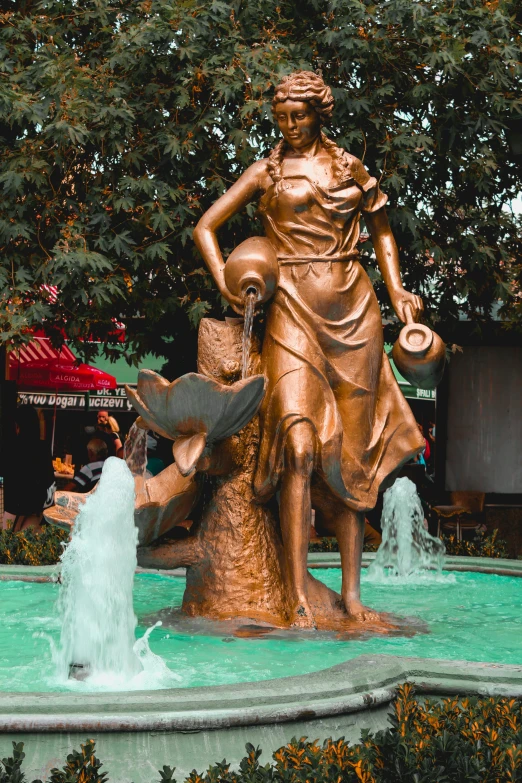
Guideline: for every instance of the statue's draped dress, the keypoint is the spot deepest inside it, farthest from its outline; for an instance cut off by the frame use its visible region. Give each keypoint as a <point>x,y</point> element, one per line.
<point>323,352</point>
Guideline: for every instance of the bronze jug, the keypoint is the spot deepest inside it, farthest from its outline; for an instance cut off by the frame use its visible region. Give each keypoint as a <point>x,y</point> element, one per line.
<point>252,265</point>
<point>419,354</point>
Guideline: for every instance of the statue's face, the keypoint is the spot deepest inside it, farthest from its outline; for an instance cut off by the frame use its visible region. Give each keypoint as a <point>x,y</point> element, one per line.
<point>298,122</point>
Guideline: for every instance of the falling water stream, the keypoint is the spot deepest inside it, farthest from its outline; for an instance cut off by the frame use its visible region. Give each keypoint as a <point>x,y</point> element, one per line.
<point>135,450</point>
<point>135,455</point>
<point>250,306</point>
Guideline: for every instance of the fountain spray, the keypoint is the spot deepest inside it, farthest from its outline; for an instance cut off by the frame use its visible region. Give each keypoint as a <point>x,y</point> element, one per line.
<point>407,548</point>
<point>97,574</point>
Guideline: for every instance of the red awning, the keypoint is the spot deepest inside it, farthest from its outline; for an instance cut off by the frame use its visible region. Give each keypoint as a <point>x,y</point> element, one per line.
<point>38,349</point>
<point>39,365</point>
<point>64,376</point>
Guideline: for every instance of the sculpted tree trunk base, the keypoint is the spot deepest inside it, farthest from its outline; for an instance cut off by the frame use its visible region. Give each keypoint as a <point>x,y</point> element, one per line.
<point>234,556</point>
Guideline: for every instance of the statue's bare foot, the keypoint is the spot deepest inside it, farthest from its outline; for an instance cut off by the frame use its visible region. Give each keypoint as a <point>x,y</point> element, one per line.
<point>359,611</point>
<point>302,616</point>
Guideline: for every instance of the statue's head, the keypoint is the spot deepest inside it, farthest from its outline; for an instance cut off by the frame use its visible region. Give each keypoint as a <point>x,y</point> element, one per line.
<point>302,103</point>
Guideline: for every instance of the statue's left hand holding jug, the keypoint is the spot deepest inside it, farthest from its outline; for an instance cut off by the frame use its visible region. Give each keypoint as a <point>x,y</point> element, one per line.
<point>419,354</point>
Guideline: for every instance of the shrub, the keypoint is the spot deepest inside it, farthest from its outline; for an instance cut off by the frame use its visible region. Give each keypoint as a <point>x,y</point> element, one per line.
<point>449,741</point>
<point>10,772</point>
<point>453,740</point>
<point>326,544</point>
<point>82,767</point>
<point>28,547</point>
<point>480,546</point>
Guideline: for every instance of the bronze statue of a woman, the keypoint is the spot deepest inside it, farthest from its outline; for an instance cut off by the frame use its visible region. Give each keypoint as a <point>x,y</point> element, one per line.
<point>335,428</point>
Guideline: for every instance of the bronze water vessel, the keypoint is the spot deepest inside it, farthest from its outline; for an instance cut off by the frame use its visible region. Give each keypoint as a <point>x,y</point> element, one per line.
<point>419,354</point>
<point>252,265</point>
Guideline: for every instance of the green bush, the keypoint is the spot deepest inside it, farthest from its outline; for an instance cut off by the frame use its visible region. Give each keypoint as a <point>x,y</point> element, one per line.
<point>28,547</point>
<point>450,741</point>
<point>326,544</point>
<point>81,767</point>
<point>480,546</point>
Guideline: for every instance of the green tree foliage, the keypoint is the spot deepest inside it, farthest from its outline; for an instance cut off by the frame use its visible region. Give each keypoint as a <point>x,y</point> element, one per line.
<point>121,120</point>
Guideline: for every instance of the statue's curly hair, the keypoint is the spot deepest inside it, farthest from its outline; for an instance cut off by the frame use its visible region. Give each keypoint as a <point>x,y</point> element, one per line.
<point>308,87</point>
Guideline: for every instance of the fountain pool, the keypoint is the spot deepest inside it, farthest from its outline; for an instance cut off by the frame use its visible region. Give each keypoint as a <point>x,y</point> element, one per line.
<point>340,686</point>
<point>470,616</point>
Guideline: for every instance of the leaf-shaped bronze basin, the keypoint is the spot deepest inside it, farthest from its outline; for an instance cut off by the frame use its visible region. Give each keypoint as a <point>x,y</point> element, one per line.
<point>195,411</point>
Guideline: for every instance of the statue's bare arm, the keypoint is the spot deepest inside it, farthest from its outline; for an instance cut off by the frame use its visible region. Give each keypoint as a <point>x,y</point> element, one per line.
<point>387,256</point>
<point>249,185</point>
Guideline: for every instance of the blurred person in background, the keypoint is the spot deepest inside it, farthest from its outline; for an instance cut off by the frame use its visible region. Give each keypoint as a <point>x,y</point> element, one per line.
<point>115,429</point>
<point>105,432</point>
<point>87,477</point>
<point>424,456</point>
<point>28,474</point>
<point>154,463</point>
<point>431,441</point>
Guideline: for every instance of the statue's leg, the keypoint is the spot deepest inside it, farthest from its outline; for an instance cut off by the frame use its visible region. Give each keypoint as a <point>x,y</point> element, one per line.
<point>295,511</point>
<point>348,527</point>
<point>349,530</point>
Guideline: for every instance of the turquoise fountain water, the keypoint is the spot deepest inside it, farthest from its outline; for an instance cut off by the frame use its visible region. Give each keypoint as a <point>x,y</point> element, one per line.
<point>457,612</point>
<point>129,633</point>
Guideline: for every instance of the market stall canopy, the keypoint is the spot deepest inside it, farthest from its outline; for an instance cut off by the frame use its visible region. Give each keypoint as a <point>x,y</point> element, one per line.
<point>64,376</point>
<point>39,348</point>
<point>39,365</point>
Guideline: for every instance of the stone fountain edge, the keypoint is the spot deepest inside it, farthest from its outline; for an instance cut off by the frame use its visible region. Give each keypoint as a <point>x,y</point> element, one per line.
<point>487,565</point>
<point>484,565</point>
<point>357,685</point>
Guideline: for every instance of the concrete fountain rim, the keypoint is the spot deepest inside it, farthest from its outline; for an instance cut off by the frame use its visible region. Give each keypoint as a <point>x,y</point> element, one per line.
<point>483,565</point>
<point>360,684</point>
<point>354,686</point>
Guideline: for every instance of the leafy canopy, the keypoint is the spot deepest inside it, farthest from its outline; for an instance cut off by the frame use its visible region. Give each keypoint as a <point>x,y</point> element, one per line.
<point>122,120</point>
